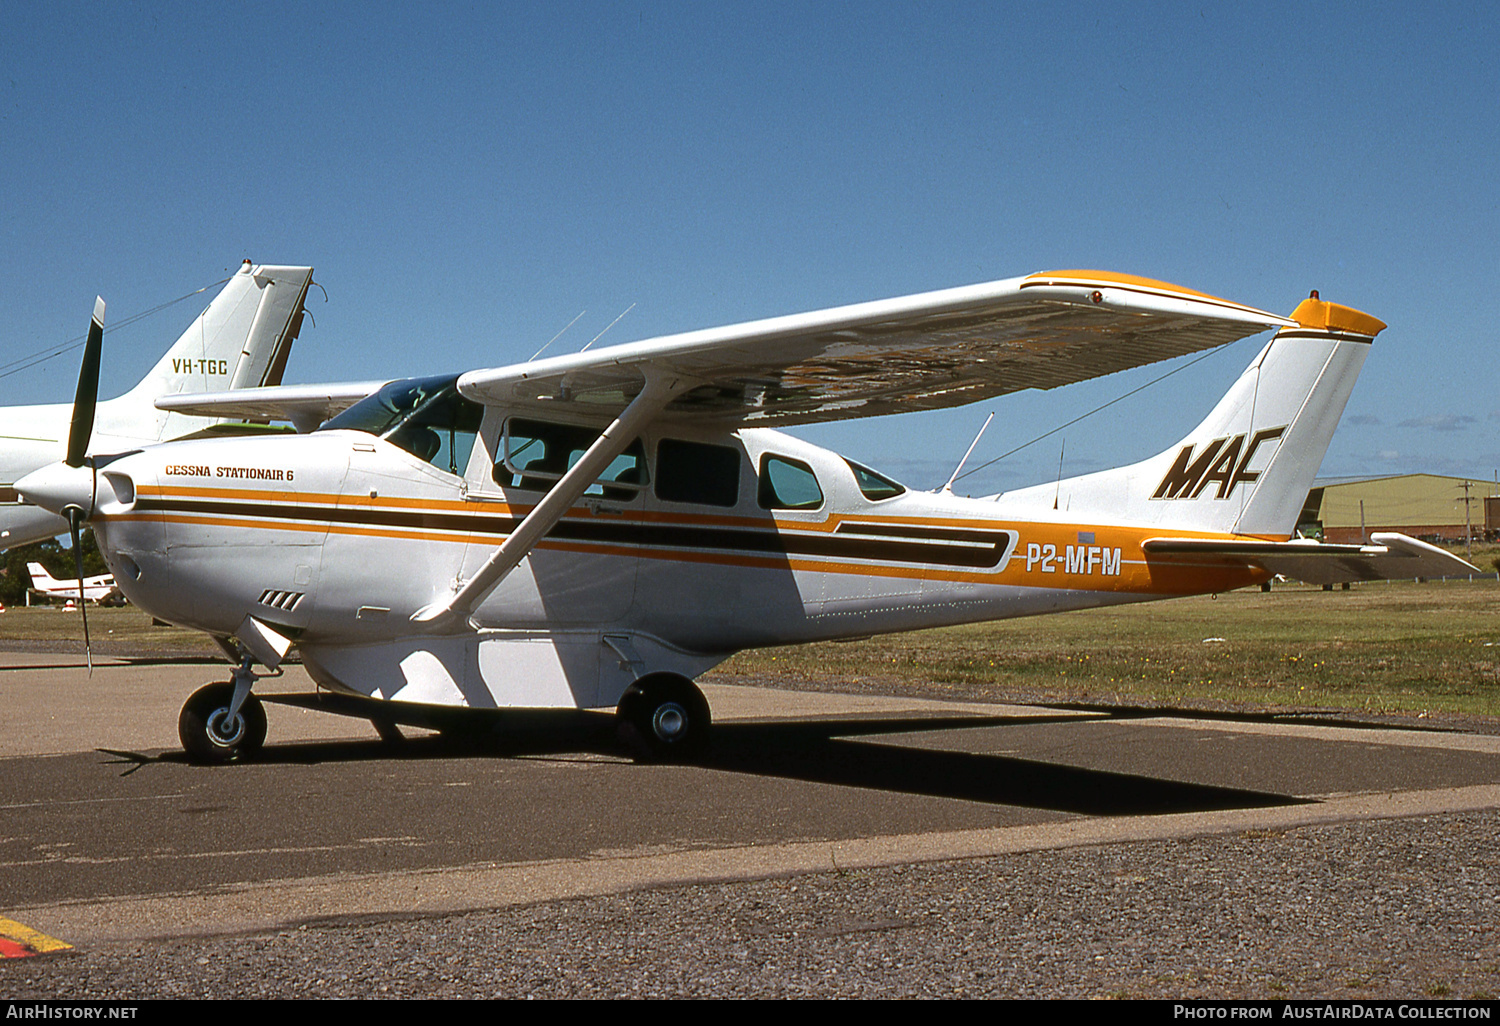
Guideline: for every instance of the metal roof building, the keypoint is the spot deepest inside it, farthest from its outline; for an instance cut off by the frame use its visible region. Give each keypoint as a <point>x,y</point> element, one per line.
<point>1428,506</point>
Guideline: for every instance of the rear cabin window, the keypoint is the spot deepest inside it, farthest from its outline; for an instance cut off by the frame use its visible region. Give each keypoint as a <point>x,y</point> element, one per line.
<point>536,454</point>
<point>873,486</point>
<point>708,475</point>
<point>788,484</point>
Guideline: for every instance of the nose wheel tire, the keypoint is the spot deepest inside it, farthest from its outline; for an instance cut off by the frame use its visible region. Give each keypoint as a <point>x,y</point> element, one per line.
<point>210,736</point>
<point>664,717</point>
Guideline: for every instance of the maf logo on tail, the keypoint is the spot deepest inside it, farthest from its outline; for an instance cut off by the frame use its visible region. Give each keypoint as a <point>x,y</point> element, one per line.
<point>1220,461</point>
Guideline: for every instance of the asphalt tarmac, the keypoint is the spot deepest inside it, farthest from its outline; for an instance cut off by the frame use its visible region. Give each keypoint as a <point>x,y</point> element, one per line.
<point>108,835</point>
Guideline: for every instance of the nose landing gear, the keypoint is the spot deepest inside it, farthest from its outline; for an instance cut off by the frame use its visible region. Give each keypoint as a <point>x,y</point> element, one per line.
<point>223,722</point>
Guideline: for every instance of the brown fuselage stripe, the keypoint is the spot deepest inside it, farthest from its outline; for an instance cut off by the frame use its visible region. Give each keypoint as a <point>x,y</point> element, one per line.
<point>897,544</point>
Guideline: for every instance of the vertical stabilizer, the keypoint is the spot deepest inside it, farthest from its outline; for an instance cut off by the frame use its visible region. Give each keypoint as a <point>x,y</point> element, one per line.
<point>240,341</point>
<point>1247,468</point>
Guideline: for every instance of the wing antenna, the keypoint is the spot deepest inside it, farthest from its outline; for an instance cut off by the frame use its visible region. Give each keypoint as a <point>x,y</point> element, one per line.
<point>611,324</point>
<point>559,335</point>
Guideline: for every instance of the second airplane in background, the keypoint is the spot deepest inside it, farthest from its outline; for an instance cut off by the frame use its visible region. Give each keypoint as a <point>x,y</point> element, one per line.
<point>100,589</point>
<point>240,341</point>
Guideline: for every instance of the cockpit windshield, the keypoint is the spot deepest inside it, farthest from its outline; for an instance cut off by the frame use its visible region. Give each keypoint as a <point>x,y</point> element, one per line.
<point>425,416</point>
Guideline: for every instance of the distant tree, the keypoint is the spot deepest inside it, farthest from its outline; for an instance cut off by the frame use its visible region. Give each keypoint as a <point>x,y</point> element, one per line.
<point>93,559</point>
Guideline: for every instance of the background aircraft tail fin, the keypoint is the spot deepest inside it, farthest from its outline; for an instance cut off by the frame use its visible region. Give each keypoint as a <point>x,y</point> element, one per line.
<point>1247,467</point>
<point>240,341</point>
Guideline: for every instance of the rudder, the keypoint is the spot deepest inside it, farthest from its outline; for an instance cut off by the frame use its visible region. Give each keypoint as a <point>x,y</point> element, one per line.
<point>240,341</point>
<point>1247,467</point>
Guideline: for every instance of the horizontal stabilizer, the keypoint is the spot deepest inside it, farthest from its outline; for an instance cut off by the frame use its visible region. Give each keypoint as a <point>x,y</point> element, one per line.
<point>306,406</point>
<point>1390,557</point>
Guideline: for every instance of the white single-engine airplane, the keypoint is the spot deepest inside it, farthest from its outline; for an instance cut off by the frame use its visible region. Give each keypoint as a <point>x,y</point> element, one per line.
<point>100,588</point>
<point>240,341</point>
<point>596,530</point>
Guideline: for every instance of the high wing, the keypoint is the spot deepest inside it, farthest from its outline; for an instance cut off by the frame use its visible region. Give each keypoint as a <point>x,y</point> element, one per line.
<point>1391,557</point>
<point>921,352</point>
<point>306,406</point>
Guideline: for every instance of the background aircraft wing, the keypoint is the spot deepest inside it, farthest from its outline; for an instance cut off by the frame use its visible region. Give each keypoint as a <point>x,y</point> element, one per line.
<point>927,351</point>
<point>306,406</point>
<point>1390,557</point>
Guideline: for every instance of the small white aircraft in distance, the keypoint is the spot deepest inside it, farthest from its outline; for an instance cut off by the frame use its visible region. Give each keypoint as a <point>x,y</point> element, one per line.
<point>595,530</point>
<point>241,340</point>
<point>100,588</point>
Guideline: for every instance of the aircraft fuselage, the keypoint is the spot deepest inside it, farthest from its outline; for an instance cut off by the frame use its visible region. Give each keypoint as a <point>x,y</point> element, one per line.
<point>687,553</point>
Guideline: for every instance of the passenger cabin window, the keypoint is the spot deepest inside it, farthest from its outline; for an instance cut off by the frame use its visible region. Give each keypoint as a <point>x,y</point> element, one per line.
<point>873,486</point>
<point>788,484</point>
<point>708,475</point>
<point>535,454</point>
<point>425,416</point>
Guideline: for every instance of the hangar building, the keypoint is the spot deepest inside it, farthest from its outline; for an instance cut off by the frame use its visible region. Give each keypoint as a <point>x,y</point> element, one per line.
<point>1429,506</point>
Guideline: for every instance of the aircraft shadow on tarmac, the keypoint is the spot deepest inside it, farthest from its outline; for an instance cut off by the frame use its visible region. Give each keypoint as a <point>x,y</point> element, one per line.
<point>842,752</point>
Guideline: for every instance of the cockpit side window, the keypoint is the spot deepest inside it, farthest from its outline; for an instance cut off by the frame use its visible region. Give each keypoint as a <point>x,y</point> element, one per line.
<point>425,416</point>
<point>788,484</point>
<point>442,431</point>
<point>873,486</point>
<point>535,454</point>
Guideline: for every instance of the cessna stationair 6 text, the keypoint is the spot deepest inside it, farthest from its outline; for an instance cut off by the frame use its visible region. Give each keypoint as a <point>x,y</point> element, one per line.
<point>596,530</point>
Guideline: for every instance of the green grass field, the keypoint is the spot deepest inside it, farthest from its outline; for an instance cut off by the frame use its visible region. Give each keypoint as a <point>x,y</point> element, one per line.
<point>1397,647</point>
<point>1387,647</point>
<point>124,631</point>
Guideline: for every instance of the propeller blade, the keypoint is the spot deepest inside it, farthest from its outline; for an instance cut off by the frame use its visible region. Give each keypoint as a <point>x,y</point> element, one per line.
<point>87,396</point>
<point>75,516</point>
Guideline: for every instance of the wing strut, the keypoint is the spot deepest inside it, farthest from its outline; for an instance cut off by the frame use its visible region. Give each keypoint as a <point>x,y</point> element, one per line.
<point>658,391</point>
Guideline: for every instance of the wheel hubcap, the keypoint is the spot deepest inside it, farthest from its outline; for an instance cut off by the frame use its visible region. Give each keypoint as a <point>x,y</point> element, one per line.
<point>223,731</point>
<point>670,721</point>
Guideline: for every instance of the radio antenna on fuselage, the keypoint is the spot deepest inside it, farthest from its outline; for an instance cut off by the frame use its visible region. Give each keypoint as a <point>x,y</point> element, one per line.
<point>1062,450</point>
<point>947,489</point>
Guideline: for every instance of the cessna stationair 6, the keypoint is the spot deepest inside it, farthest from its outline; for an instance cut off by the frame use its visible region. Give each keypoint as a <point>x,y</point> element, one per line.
<point>595,530</point>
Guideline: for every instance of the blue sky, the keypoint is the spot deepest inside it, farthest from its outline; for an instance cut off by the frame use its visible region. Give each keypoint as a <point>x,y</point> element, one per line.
<point>468,177</point>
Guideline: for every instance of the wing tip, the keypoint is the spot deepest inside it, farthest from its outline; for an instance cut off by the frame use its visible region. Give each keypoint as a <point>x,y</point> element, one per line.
<point>1150,286</point>
<point>1088,277</point>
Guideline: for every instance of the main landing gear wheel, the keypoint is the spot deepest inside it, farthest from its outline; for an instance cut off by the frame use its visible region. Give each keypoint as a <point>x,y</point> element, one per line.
<point>210,736</point>
<point>664,717</point>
